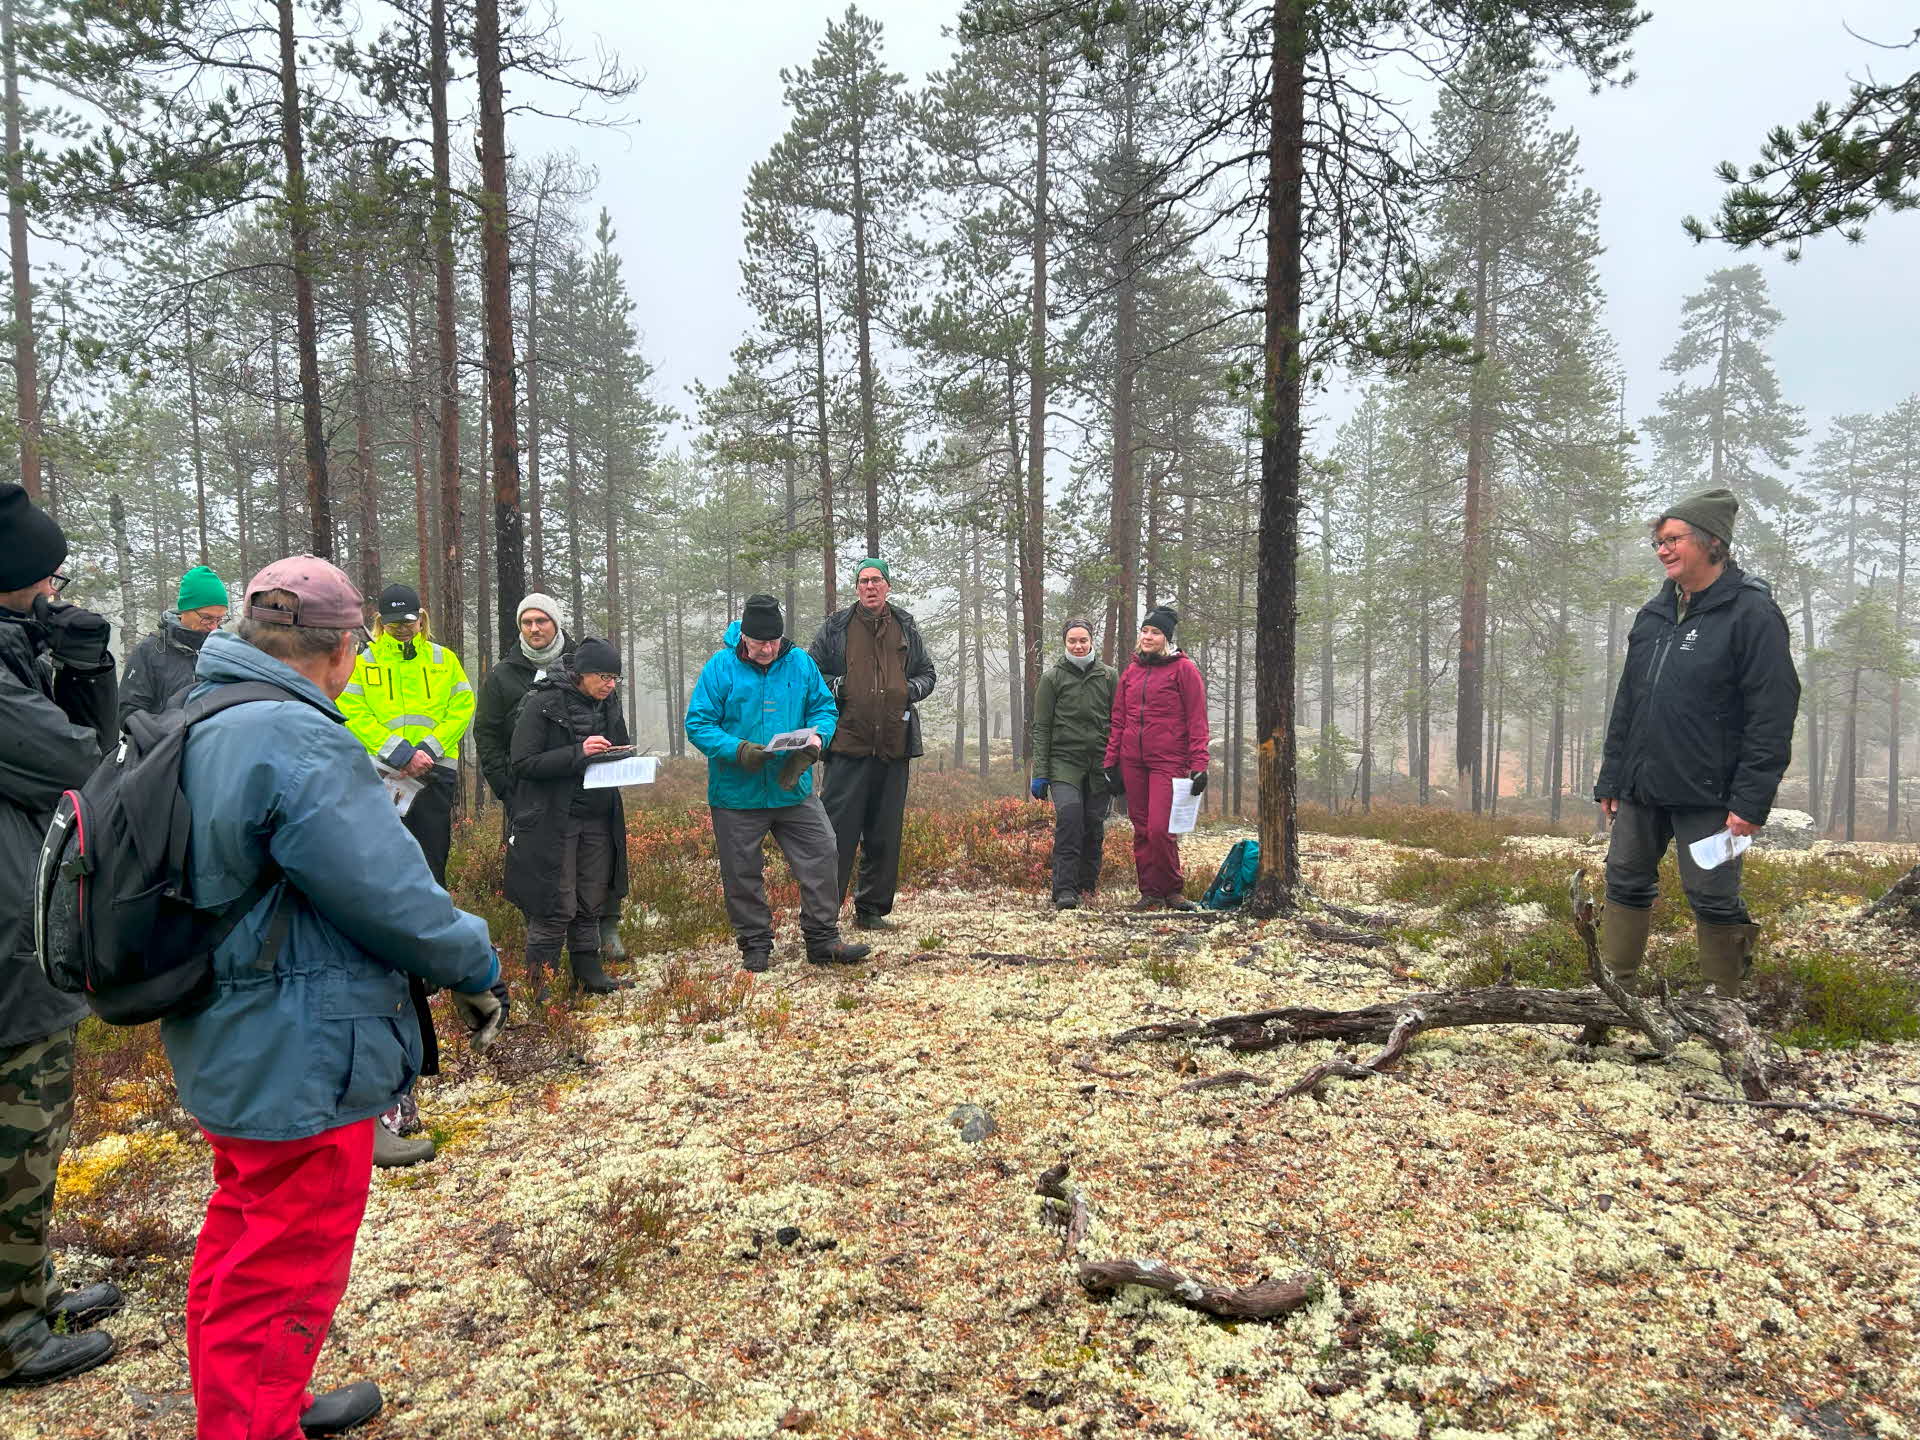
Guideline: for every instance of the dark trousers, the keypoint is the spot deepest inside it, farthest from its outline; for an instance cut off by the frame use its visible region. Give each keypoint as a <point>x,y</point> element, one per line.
<point>805,837</point>
<point>866,799</point>
<point>430,821</point>
<point>36,1115</point>
<point>586,875</point>
<point>1079,836</point>
<point>1641,835</point>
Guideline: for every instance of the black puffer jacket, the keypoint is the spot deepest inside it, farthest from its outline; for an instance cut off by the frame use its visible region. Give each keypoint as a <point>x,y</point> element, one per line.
<point>549,801</point>
<point>160,668</point>
<point>53,725</point>
<point>505,686</point>
<point>1704,714</point>
<point>829,652</point>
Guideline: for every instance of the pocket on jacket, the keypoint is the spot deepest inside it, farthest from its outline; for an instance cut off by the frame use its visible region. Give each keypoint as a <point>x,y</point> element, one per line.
<point>377,1068</point>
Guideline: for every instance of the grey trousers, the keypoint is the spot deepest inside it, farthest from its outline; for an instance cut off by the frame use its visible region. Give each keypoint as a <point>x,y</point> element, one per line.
<point>1079,836</point>
<point>586,874</point>
<point>866,800</point>
<point>806,839</point>
<point>1641,835</point>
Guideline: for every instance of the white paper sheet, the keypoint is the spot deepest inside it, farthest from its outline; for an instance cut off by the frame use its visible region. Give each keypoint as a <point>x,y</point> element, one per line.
<point>611,774</point>
<point>401,789</point>
<point>1717,849</point>
<point>1186,808</point>
<point>794,739</point>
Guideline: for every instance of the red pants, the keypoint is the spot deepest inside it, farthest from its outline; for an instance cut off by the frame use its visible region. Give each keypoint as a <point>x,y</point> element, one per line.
<point>270,1267</point>
<point>1156,854</point>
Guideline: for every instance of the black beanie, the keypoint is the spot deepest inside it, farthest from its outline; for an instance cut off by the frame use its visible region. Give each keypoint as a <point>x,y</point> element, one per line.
<point>761,619</point>
<point>1162,618</point>
<point>32,544</point>
<point>1710,510</point>
<point>595,657</point>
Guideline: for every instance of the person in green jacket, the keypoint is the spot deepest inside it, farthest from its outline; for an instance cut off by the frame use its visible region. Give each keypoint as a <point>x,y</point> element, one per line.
<point>1072,708</point>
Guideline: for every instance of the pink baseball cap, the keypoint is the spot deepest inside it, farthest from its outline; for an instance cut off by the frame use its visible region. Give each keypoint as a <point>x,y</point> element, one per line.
<point>326,598</point>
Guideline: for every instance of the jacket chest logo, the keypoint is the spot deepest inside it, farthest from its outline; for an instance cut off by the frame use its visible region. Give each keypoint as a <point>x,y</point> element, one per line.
<point>1686,641</point>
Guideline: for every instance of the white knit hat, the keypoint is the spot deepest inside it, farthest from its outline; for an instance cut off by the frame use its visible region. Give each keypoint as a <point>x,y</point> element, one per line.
<point>546,605</point>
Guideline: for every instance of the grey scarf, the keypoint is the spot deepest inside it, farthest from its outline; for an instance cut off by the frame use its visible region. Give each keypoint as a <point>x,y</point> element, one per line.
<point>551,653</point>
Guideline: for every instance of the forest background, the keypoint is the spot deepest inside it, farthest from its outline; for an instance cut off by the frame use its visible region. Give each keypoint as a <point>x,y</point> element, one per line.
<point>655,311</point>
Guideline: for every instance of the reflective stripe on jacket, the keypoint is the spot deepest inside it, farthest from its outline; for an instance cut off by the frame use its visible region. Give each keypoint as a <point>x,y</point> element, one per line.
<point>395,705</point>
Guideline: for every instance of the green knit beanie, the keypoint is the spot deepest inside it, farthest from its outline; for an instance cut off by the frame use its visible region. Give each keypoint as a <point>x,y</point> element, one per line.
<point>200,587</point>
<point>1710,510</point>
<point>874,562</point>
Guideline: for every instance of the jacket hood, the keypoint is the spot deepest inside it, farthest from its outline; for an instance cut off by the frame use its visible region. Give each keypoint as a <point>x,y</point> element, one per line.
<point>174,633</point>
<point>226,658</point>
<point>1165,657</point>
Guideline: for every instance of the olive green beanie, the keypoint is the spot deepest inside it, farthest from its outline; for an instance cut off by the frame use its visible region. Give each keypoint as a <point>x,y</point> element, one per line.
<point>1710,510</point>
<point>200,587</point>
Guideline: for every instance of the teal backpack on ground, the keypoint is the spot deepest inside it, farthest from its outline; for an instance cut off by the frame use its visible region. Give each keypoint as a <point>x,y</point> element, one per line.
<point>1234,879</point>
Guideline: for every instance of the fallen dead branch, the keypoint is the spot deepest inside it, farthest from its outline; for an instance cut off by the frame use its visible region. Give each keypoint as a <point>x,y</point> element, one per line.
<point>1343,1067</point>
<point>1810,1107</point>
<point>1266,1300</point>
<point>1352,916</point>
<point>1222,1080</point>
<point>1365,939</point>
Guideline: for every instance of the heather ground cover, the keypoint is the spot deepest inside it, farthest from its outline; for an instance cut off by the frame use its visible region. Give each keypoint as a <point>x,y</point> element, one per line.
<point>724,1206</point>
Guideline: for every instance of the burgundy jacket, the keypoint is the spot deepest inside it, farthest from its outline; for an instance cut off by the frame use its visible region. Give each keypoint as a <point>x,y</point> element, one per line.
<point>1159,716</point>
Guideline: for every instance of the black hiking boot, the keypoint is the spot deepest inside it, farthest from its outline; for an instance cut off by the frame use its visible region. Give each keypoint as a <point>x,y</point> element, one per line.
<point>1066,901</point>
<point>838,952</point>
<point>588,976</point>
<point>757,958</point>
<point>341,1410</point>
<point>89,1305</point>
<point>1181,903</point>
<point>62,1357</point>
<point>870,920</point>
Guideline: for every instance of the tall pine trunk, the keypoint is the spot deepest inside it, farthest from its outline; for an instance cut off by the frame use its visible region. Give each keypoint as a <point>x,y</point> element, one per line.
<point>823,452</point>
<point>26,364</point>
<point>496,289</point>
<point>363,466</point>
<point>446,349</point>
<point>306,323</point>
<point>1033,553</point>
<point>1280,436</point>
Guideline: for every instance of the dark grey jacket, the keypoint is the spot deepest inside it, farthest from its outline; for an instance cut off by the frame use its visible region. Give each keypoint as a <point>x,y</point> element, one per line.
<point>160,668</point>
<point>501,691</point>
<point>53,725</point>
<point>1704,714</point>
<point>829,652</point>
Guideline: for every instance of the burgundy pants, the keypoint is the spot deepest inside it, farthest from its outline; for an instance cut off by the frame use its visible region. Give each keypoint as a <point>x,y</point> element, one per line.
<point>270,1267</point>
<point>1156,854</point>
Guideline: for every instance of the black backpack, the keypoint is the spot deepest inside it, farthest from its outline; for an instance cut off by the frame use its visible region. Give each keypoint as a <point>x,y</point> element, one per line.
<point>114,917</point>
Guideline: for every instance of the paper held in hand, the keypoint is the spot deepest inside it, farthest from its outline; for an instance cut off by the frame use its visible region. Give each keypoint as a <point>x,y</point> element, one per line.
<point>794,739</point>
<point>1186,808</point>
<point>1718,848</point>
<point>634,770</point>
<point>401,789</point>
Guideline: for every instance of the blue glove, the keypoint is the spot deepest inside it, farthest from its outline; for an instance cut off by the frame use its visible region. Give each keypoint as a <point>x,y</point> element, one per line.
<point>1038,789</point>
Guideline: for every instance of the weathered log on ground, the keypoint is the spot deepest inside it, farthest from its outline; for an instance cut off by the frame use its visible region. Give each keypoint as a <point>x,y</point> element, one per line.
<point>1720,1023</point>
<point>1268,1300</point>
<point>1366,939</point>
<point>1901,903</point>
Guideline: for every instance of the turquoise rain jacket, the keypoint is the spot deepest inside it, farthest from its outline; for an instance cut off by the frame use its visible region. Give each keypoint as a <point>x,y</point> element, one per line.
<point>735,700</point>
<point>326,1036</point>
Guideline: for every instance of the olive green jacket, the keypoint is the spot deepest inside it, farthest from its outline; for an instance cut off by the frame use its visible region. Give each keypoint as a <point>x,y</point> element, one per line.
<point>1071,710</point>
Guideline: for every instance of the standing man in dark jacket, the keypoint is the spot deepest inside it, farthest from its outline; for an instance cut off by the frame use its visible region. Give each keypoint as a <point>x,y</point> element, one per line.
<point>161,666</point>
<point>1072,710</point>
<point>56,715</point>
<point>874,662</point>
<point>1701,731</point>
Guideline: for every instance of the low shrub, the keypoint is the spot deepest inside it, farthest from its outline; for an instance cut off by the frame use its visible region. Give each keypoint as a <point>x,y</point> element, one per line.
<point>688,993</point>
<point>118,1201</point>
<point>1451,832</point>
<point>597,1254</point>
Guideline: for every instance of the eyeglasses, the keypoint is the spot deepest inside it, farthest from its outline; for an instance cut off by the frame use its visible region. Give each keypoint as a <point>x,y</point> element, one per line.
<point>60,582</point>
<point>1666,542</point>
<point>871,580</point>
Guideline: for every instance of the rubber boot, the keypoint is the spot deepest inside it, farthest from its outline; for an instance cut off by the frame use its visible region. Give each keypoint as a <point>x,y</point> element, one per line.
<point>588,976</point>
<point>542,961</point>
<point>1726,955</point>
<point>610,943</point>
<point>1623,945</point>
<point>391,1152</point>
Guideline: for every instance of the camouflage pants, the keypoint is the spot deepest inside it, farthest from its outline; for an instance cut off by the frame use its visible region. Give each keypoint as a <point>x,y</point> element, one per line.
<point>36,1112</point>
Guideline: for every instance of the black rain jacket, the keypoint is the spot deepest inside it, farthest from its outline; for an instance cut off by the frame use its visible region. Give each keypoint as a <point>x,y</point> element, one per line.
<point>505,685</point>
<point>829,652</point>
<point>160,670</point>
<point>550,800</point>
<point>1703,718</point>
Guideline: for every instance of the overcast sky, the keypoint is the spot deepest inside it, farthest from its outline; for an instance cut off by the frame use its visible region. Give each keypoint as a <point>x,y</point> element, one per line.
<point>1713,76</point>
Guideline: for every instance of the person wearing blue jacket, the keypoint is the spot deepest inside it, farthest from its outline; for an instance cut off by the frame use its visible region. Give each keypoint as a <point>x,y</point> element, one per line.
<point>310,1033</point>
<point>757,686</point>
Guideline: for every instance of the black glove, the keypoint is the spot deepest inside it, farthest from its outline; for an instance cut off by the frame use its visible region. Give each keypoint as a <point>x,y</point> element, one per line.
<point>750,756</point>
<point>78,638</point>
<point>1199,778</point>
<point>1114,780</point>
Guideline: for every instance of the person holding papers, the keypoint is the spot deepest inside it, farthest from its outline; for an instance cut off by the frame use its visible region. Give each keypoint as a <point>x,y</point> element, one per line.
<point>1699,736</point>
<point>1158,735</point>
<point>761,715</point>
<point>566,847</point>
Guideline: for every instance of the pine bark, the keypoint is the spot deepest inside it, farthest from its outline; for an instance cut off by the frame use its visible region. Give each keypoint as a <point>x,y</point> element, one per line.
<point>509,539</point>
<point>305,320</point>
<point>452,611</point>
<point>26,364</point>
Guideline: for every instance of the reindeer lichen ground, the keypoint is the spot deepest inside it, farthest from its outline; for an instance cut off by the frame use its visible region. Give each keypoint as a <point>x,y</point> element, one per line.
<point>767,1219</point>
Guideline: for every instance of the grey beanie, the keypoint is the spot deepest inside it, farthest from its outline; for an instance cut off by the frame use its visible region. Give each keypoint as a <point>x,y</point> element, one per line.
<point>1710,510</point>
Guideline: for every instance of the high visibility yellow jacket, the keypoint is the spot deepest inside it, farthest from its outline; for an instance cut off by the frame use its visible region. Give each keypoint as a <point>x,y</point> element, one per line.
<point>395,706</point>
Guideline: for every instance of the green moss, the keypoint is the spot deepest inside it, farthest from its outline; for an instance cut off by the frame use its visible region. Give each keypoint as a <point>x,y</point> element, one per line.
<point>1836,999</point>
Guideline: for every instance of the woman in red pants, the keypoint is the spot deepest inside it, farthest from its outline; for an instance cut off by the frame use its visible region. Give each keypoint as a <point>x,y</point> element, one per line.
<point>1158,735</point>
